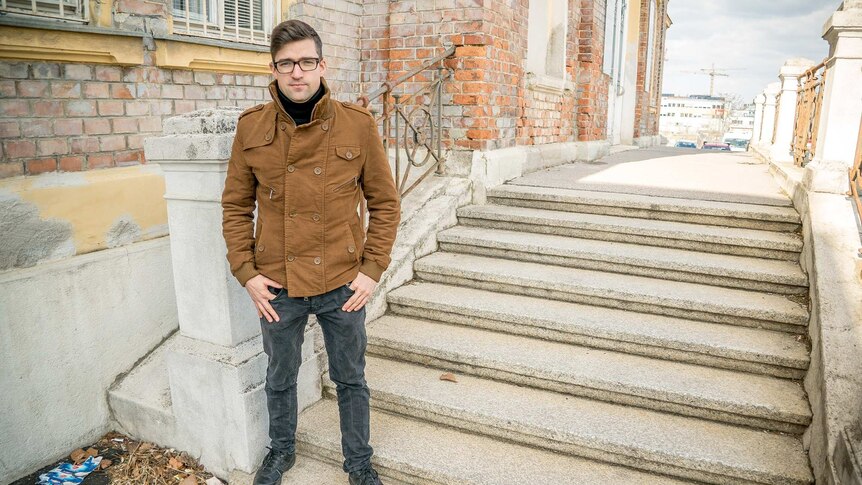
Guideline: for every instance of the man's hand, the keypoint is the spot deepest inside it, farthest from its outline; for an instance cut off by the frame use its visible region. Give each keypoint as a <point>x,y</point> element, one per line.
<point>260,295</point>
<point>363,286</point>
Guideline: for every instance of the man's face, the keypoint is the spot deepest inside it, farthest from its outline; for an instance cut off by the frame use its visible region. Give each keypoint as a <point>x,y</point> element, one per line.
<point>298,85</point>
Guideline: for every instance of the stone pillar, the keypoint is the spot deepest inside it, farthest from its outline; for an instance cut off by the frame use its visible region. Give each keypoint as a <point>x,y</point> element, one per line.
<point>786,109</point>
<point>216,366</point>
<point>769,113</point>
<point>842,103</point>
<point>758,118</point>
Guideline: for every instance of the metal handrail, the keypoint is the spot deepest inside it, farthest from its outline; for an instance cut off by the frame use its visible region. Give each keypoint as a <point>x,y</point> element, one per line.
<point>422,133</point>
<point>809,101</point>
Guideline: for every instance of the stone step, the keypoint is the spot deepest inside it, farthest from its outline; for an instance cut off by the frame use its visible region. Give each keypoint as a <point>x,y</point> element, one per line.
<point>681,235</point>
<point>759,274</point>
<point>140,401</point>
<point>682,447</point>
<point>635,293</point>
<point>412,451</point>
<point>306,471</point>
<point>692,390</point>
<point>729,214</point>
<point>730,347</point>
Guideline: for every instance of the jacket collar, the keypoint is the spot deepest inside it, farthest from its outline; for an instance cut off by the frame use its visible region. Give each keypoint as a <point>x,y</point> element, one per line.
<point>322,110</point>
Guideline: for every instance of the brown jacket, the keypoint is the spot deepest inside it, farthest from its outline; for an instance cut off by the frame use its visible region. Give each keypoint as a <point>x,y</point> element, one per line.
<point>307,182</point>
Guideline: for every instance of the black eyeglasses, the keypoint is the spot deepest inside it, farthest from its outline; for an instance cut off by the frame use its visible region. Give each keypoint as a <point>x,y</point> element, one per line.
<point>286,66</point>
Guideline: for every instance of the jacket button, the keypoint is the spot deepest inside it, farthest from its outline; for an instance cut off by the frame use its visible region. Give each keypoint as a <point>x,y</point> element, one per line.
<point>316,260</point>
<point>349,155</point>
<point>318,170</point>
<point>291,168</point>
<point>260,248</point>
<point>316,217</point>
<point>268,136</point>
<point>292,213</point>
<point>324,126</point>
<point>291,257</point>
<point>283,126</point>
<point>351,249</point>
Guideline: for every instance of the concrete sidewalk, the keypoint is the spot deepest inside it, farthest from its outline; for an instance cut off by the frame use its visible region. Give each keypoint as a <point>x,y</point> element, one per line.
<point>669,172</point>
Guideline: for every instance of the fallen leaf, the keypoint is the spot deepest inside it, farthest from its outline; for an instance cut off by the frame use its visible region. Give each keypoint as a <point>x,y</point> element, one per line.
<point>145,447</point>
<point>174,463</point>
<point>133,446</point>
<point>214,481</point>
<point>105,464</point>
<point>92,452</point>
<point>189,480</point>
<point>448,377</point>
<point>78,455</point>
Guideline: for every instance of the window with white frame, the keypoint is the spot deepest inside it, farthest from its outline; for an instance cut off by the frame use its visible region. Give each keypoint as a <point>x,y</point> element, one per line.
<point>546,42</point>
<point>235,20</point>
<point>60,9</point>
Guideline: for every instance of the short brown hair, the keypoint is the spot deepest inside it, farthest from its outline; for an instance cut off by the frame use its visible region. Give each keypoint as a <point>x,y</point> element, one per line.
<point>292,31</point>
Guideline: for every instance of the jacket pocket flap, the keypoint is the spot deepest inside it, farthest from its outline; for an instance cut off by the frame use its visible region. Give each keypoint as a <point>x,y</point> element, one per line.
<point>259,139</point>
<point>347,152</point>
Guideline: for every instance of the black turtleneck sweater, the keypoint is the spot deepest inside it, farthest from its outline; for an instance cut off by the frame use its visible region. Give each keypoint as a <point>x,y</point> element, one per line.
<point>300,112</point>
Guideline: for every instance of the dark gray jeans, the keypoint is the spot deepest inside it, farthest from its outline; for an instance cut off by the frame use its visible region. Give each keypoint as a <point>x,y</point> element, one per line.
<point>344,336</point>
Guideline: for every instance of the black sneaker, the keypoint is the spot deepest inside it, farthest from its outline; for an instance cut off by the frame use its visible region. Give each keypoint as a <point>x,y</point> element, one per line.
<point>273,467</point>
<point>365,477</point>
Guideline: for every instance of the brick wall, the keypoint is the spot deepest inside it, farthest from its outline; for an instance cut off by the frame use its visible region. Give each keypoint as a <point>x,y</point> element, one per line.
<point>72,117</point>
<point>592,83</point>
<point>646,120</point>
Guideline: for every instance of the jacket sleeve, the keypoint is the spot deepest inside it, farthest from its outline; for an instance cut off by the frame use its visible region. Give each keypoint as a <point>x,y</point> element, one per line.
<point>238,203</point>
<point>384,207</point>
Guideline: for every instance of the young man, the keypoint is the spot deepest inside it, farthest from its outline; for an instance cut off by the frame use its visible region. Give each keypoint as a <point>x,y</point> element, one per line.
<point>306,160</point>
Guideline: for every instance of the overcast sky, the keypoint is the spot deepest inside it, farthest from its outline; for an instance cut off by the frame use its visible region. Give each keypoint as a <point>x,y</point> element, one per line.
<point>753,36</point>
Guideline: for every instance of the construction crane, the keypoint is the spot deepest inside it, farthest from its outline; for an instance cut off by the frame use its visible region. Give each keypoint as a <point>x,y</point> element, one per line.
<point>713,72</point>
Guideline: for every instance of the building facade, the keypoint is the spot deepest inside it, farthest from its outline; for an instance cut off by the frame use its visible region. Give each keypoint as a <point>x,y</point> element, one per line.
<point>695,118</point>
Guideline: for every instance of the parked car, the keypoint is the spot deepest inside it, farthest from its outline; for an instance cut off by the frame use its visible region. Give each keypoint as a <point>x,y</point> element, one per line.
<point>725,147</point>
<point>686,144</point>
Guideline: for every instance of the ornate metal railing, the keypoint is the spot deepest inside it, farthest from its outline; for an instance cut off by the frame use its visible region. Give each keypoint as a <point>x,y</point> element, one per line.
<point>856,178</point>
<point>414,122</point>
<point>809,100</point>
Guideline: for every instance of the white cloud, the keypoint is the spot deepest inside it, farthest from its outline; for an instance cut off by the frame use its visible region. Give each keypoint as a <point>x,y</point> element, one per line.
<point>752,37</point>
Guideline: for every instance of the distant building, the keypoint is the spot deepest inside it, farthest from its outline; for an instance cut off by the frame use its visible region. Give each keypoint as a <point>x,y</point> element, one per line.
<point>696,118</point>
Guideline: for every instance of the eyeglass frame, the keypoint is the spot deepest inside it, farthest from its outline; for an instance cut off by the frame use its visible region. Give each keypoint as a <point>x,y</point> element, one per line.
<point>278,64</point>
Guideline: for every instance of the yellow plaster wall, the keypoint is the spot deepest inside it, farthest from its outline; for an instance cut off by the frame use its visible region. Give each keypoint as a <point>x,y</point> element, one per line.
<point>93,201</point>
<point>182,55</point>
<point>65,46</point>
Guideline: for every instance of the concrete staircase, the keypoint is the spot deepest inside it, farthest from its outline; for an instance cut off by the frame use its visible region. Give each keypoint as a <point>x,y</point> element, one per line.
<point>595,338</point>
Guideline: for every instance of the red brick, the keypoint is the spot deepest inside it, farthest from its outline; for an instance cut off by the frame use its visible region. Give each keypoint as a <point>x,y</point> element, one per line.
<point>150,124</point>
<point>100,160</point>
<point>109,73</point>
<point>36,128</point>
<point>173,91</point>
<point>132,157</point>
<point>110,108</point>
<point>53,109</point>
<point>72,164</point>
<point>7,89</point>
<point>137,108</point>
<point>181,107</point>
<point>41,165</point>
<point>79,72</point>
<point>11,169</point>
<point>187,77</point>
<point>124,125</point>
<point>136,142</point>
<point>53,146</point>
<point>69,127</point>
<point>81,108</point>
<point>96,90</point>
<point>14,107</point>
<point>112,143</point>
<point>32,89</point>
<point>122,91</point>
<point>97,126</point>
<point>194,92</point>
<point>223,79</point>
<point>476,134</point>
<point>19,148</point>
<point>65,89</point>
<point>9,129</point>
<point>87,144</point>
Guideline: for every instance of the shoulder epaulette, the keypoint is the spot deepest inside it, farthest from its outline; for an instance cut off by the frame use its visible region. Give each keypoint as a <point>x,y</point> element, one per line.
<point>355,107</point>
<point>252,110</point>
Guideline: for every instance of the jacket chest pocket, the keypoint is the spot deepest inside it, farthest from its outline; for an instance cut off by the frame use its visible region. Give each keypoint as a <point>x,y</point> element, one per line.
<point>347,152</point>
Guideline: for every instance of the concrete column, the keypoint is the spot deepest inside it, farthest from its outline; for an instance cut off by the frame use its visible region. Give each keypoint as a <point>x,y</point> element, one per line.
<point>769,113</point>
<point>758,118</point>
<point>216,366</point>
<point>786,109</point>
<point>842,103</point>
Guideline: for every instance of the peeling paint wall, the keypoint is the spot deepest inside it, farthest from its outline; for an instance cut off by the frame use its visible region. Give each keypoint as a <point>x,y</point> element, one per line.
<point>58,215</point>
